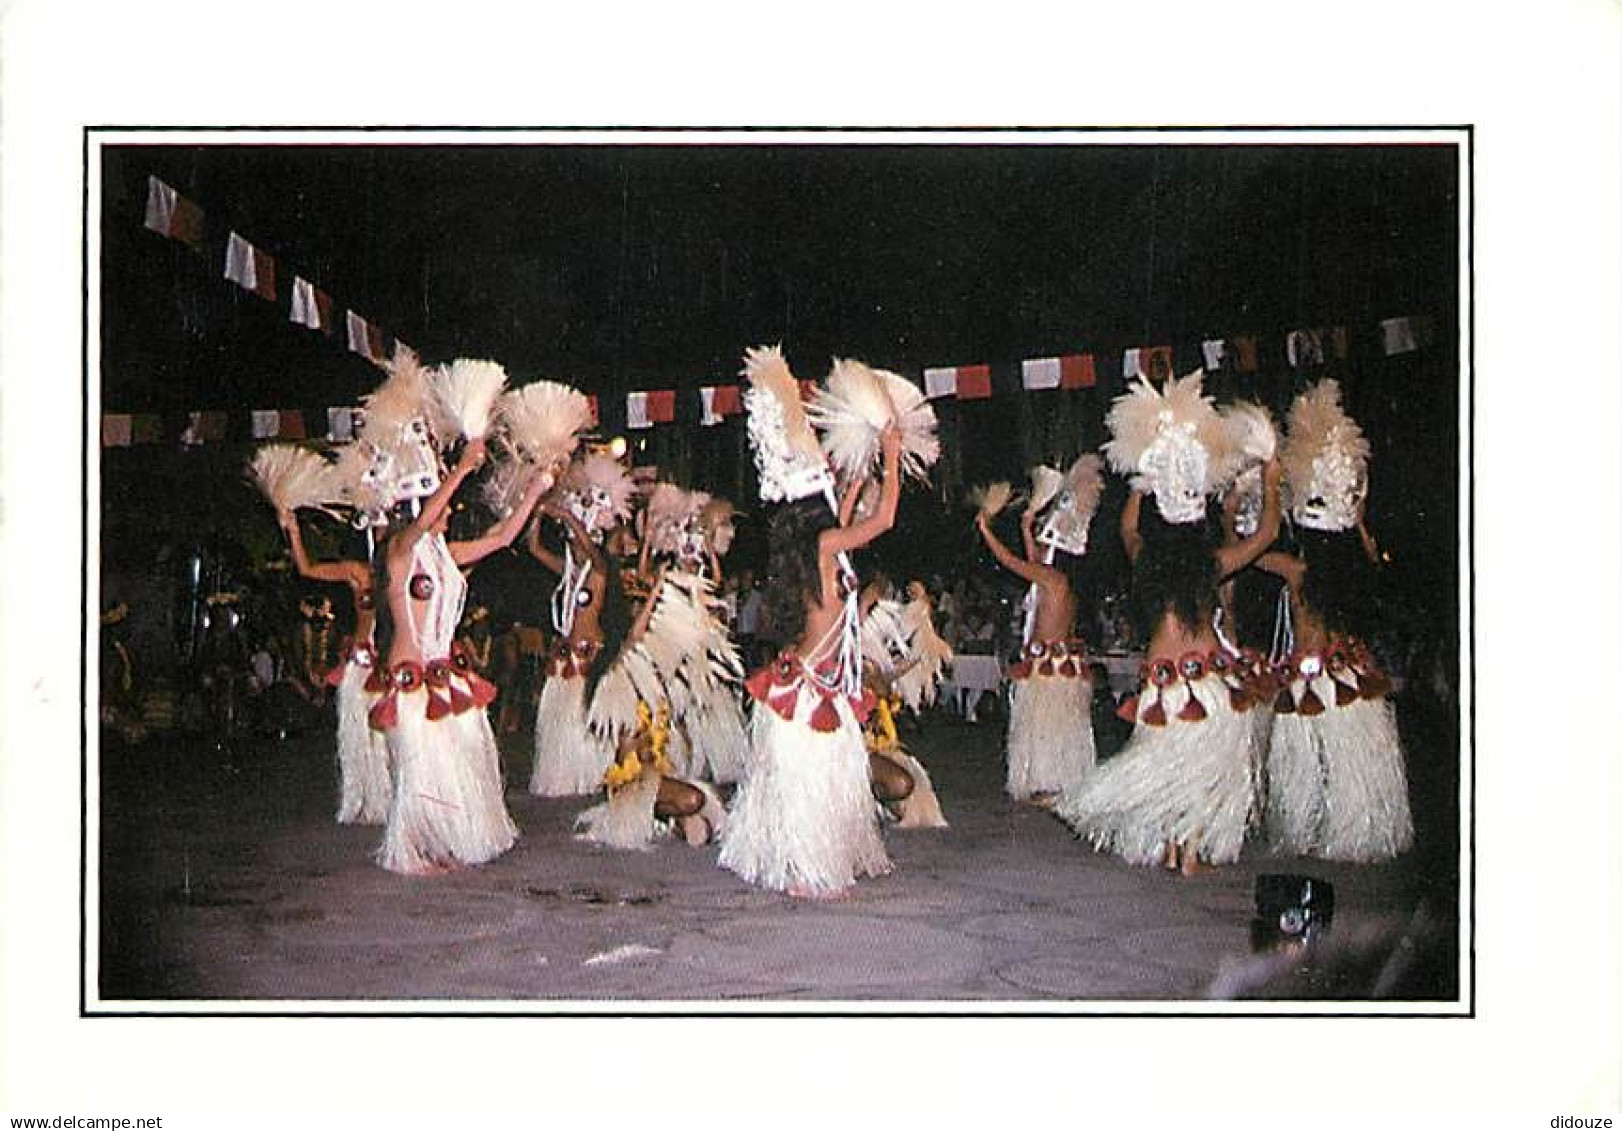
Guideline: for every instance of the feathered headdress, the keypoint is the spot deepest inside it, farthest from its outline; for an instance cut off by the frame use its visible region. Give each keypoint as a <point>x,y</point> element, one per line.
<point>1172,444</point>
<point>599,491</point>
<point>787,456</point>
<point>992,499</point>
<point>1250,428</point>
<point>1326,461</point>
<point>669,514</point>
<point>466,391</point>
<point>398,454</point>
<point>291,478</point>
<point>1066,521</point>
<point>857,404</point>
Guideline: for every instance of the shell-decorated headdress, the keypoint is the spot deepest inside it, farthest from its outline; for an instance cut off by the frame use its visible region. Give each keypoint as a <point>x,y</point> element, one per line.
<point>672,520</point>
<point>1064,524</point>
<point>1172,445</point>
<point>396,453</point>
<point>1250,427</point>
<point>1325,461</point>
<point>856,405</point>
<point>599,492</point>
<point>788,458</point>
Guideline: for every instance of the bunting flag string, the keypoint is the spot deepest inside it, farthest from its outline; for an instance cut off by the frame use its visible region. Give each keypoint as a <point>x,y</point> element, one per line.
<point>252,268</point>
<point>646,408</point>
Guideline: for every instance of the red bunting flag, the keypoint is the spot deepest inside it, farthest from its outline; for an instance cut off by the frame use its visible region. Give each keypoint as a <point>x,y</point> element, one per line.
<point>1155,362</point>
<point>965,382</point>
<point>116,429</point>
<point>203,428</point>
<point>292,425</point>
<point>1243,350</point>
<point>146,428</point>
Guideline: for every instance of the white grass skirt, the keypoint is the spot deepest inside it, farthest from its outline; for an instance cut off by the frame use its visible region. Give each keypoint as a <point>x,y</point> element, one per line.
<point>804,815</point>
<point>626,819</point>
<point>1188,783</point>
<point>1337,787</point>
<point>363,754</point>
<point>920,809</point>
<point>717,741</point>
<point>1050,734</point>
<point>448,808</point>
<point>569,760</point>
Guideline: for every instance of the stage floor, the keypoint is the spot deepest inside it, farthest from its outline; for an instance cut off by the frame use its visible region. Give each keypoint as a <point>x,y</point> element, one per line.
<point>223,876</point>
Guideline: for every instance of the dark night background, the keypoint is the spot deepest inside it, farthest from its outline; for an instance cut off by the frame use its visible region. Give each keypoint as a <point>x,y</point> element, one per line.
<point>655,266</point>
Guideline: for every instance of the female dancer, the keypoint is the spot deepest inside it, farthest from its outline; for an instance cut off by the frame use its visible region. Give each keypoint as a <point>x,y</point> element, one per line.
<point>448,809</point>
<point>1050,726</point>
<point>1338,786</point>
<point>1182,789</point>
<point>630,709</point>
<point>363,756</point>
<point>803,821</point>
<point>592,615</point>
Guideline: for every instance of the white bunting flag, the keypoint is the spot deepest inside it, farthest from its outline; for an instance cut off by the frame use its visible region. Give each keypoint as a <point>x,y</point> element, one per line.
<point>1040,373</point>
<point>1399,336</point>
<point>359,337</point>
<point>160,206</point>
<point>267,423</point>
<point>1216,352</point>
<point>636,411</point>
<point>341,423</point>
<point>306,311</point>
<point>1130,364</point>
<point>940,382</point>
<point>239,263</point>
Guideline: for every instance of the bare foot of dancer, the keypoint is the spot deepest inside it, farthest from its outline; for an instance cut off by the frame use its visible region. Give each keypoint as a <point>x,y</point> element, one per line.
<point>1192,865</point>
<point>1042,800</point>
<point>696,830</point>
<point>1168,858</point>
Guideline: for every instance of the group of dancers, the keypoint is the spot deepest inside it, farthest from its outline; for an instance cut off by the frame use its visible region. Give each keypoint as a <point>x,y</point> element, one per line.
<point>644,695</point>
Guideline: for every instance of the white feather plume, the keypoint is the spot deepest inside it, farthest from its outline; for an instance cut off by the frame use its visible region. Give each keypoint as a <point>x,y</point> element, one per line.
<point>927,652</point>
<point>992,499</point>
<point>509,477</point>
<point>1250,427</point>
<point>466,391</point>
<point>856,405</point>
<point>1046,482</point>
<point>292,478</point>
<point>544,420</point>
<point>1317,421</point>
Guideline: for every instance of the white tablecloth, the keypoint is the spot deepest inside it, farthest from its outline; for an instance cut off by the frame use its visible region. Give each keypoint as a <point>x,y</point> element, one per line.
<point>975,673</point>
